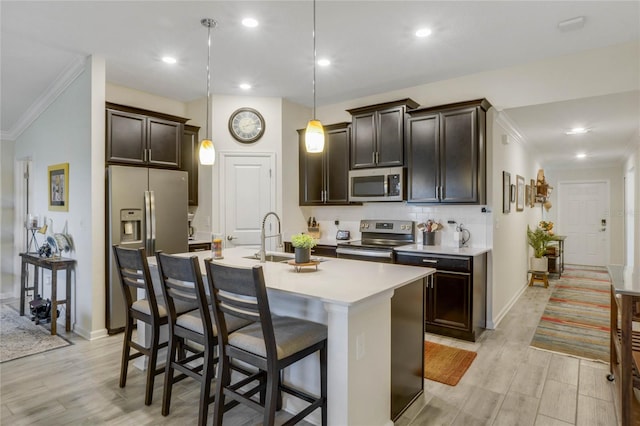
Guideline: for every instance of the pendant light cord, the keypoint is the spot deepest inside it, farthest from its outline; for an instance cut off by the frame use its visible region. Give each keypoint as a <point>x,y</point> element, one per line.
<point>314,59</point>
<point>208,80</point>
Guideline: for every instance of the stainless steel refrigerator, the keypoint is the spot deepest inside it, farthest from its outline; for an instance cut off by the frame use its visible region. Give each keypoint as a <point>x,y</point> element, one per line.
<point>146,208</point>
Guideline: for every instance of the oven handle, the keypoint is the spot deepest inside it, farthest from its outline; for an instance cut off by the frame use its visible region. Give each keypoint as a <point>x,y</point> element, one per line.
<point>367,253</point>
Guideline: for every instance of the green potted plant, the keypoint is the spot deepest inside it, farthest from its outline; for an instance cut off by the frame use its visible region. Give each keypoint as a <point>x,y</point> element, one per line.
<point>303,243</point>
<point>538,240</point>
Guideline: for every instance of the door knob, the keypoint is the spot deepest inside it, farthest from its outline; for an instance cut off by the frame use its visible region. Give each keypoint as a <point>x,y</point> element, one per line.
<point>231,237</point>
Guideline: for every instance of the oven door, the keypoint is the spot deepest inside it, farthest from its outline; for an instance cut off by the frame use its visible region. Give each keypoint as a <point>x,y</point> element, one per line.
<point>367,254</point>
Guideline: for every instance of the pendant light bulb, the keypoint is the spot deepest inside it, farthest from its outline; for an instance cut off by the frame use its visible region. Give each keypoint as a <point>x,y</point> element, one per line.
<point>207,152</point>
<point>314,135</point>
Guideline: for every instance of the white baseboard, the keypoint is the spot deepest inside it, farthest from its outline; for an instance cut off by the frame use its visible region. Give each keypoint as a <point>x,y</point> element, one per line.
<point>90,335</point>
<point>492,324</point>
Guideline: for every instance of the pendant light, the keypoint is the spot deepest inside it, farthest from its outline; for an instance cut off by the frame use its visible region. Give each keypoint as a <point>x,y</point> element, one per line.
<point>314,135</point>
<point>207,151</point>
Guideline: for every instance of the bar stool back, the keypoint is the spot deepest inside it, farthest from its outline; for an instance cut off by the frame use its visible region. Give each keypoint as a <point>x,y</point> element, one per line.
<point>269,343</point>
<point>133,271</point>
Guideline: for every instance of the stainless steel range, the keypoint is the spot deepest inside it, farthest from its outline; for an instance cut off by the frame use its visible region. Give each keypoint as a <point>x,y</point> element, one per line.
<point>379,237</point>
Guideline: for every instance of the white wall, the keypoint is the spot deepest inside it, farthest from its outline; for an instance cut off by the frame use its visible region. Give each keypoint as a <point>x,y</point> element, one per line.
<point>632,213</point>
<point>139,99</point>
<point>7,258</point>
<point>71,131</point>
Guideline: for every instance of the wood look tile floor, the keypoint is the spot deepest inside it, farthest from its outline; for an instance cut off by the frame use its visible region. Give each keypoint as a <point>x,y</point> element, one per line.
<point>508,384</point>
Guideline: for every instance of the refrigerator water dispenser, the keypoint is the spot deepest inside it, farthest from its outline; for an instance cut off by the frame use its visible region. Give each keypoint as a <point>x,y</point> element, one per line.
<point>130,225</point>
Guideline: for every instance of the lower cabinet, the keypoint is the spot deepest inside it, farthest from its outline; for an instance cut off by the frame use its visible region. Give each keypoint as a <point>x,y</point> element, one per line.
<point>455,296</point>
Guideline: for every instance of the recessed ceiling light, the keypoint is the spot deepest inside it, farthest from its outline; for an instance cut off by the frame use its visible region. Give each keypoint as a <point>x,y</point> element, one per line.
<point>324,62</point>
<point>245,86</point>
<point>581,155</point>
<point>423,32</point>
<point>169,60</point>
<point>577,131</point>
<point>250,22</point>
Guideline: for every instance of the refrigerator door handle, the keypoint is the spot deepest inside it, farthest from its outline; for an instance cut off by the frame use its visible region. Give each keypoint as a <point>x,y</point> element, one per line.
<point>153,222</point>
<point>148,223</point>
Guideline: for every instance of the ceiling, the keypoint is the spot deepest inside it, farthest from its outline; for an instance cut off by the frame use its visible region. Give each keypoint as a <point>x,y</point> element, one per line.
<point>370,43</point>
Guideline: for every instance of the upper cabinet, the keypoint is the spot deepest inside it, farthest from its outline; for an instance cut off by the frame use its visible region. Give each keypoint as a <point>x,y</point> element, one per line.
<point>324,176</point>
<point>140,137</point>
<point>446,153</point>
<point>189,154</point>
<point>378,134</point>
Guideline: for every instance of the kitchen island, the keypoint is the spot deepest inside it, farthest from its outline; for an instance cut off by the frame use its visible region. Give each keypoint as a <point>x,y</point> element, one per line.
<point>354,299</point>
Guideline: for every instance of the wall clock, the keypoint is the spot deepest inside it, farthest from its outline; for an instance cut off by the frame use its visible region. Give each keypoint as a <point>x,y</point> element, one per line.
<point>246,125</point>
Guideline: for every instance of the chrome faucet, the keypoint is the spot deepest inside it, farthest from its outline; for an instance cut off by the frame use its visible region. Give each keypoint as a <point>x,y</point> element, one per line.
<point>263,237</point>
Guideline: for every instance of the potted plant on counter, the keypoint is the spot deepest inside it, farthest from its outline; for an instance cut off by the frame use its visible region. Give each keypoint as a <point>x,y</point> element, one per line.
<point>303,243</point>
<point>538,240</point>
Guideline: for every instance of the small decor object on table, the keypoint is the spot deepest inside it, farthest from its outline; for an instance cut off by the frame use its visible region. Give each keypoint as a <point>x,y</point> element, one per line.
<point>303,244</point>
<point>429,233</point>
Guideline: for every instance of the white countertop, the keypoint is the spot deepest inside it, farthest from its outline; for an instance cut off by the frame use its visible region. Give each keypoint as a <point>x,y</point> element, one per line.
<point>338,281</point>
<point>462,251</point>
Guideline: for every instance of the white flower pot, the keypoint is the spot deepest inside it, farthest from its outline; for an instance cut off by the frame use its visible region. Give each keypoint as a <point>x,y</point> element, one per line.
<point>538,264</point>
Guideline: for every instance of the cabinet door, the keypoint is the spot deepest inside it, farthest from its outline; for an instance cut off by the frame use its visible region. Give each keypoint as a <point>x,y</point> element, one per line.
<point>164,138</point>
<point>337,166</point>
<point>423,165</point>
<point>459,156</point>
<point>363,142</point>
<point>450,300</point>
<point>189,161</point>
<point>311,179</point>
<point>390,137</point>
<point>126,137</point>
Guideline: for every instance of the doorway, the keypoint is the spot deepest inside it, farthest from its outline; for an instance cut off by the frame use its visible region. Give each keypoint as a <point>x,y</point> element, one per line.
<point>247,186</point>
<point>584,217</point>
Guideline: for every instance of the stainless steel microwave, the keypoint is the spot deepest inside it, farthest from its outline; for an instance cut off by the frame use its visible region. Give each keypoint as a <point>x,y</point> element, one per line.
<point>382,184</point>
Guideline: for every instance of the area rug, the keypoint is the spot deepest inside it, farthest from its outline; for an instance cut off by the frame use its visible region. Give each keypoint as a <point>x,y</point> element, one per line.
<point>19,336</point>
<point>576,319</point>
<point>446,364</point>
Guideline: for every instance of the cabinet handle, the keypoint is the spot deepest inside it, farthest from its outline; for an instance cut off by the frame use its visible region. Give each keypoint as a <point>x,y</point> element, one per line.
<point>149,155</point>
<point>429,261</point>
<point>373,157</point>
<point>377,157</point>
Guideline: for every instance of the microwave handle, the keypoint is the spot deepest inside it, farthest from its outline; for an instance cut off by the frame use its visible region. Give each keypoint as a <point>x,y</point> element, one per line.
<point>386,185</point>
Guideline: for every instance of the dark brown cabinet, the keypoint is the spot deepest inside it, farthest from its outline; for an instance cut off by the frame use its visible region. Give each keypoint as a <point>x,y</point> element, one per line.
<point>193,247</point>
<point>446,153</point>
<point>140,137</point>
<point>190,160</point>
<point>378,134</point>
<point>324,176</point>
<point>455,295</point>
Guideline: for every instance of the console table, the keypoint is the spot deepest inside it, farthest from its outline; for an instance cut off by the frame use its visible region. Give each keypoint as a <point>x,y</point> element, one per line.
<point>625,344</point>
<point>560,254</point>
<point>54,264</point>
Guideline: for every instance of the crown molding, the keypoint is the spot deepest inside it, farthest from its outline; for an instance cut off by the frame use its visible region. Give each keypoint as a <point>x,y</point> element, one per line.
<point>512,129</point>
<point>68,75</point>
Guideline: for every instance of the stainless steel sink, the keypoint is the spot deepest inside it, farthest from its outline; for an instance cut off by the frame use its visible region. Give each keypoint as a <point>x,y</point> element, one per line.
<point>271,258</point>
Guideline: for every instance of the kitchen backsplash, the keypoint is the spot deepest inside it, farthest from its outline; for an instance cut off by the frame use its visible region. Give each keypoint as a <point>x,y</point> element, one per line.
<point>472,218</point>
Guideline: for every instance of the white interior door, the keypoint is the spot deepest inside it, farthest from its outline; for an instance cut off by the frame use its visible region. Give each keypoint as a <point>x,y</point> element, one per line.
<point>247,188</point>
<point>584,218</point>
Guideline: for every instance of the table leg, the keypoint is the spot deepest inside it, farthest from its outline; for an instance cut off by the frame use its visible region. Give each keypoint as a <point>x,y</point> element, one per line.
<point>626,360</point>
<point>23,286</point>
<point>67,305</point>
<point>54,300</point>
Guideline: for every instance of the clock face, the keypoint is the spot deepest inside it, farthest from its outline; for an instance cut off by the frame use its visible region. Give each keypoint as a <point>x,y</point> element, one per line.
<point>246,125</point>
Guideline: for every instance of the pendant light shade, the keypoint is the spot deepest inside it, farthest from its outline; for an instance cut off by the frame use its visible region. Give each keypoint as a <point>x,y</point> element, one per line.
<point>314,135</point>
<point>207,152</point>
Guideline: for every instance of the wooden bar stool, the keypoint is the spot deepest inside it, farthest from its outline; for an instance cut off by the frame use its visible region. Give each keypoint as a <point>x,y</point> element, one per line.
<point>540,276</point>
<point>270,343</point>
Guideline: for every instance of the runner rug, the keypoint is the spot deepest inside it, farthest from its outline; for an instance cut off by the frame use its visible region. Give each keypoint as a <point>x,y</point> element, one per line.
<point>19,336</point>
<point>446,364</point>
<point>576,319</point>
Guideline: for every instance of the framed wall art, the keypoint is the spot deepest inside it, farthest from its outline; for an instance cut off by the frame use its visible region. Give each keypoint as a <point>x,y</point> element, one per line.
<point>59,187</point>
<point>519,193</point>
<point>506,192</point>
<point>534,191</point>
